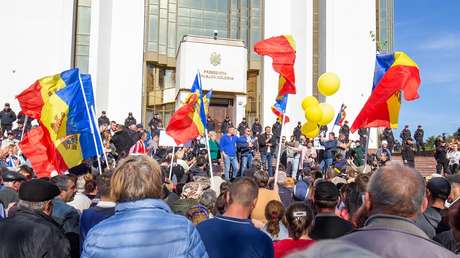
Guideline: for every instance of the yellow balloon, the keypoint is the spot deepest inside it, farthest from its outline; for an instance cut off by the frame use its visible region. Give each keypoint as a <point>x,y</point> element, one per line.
<point>309,101</point>
<point>328,113</point>
<point>310,129</point>
<point>314,114</point>
<point>328,84</point>
<point>313,133</point>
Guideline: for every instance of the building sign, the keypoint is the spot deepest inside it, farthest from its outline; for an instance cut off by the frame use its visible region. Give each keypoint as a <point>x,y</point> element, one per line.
<point>223,67</point>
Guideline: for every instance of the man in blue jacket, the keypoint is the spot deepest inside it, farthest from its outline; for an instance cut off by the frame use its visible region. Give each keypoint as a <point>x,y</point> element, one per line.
<point>228,146</point>
<point>330,148</point>
<point>233,234</point>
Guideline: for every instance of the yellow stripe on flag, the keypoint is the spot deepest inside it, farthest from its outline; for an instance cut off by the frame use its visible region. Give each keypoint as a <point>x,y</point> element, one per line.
<point>54,118</point>
<point>394,105</point>
<point>402,58</point>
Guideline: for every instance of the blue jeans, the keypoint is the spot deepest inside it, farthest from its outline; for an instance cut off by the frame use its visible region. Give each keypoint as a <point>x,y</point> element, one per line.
<point>246,162</point>
<point>267,157</point>
<point>230,161</point>
<point>325,164</point>
<point>294,162</point>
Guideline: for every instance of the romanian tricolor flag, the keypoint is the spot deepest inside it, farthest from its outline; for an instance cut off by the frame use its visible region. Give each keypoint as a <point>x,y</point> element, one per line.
<point>341,116</point>
<point>189,121</point>
<point>57,102</point>
<point>282,50</point>
<point>394,74</point>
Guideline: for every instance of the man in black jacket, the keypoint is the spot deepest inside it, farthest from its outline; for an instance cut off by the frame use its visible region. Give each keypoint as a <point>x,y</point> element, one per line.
<point>7,117</point>
<point>227,123</point>
<point>390,138</point>
<point>211,123</point>
<point>297,131</point>
<point>327,225</point>
<point>122,141</point>
<point>442,163</point>
<point>405,134</point>
<point>31,232</point>
<point>267,145</point>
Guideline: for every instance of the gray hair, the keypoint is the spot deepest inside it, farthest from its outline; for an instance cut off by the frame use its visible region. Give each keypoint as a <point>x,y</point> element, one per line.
<point>396,190</point>
<point>39,206</point>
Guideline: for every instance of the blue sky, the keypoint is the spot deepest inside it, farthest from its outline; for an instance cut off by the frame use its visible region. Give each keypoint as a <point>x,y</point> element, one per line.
<point>429,32</point>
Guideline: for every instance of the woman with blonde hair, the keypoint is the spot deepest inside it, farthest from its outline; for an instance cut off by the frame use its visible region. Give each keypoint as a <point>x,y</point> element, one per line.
<point>143,224</point>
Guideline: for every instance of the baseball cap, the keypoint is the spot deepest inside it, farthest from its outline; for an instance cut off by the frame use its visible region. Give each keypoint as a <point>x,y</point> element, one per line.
<point>439,187</point>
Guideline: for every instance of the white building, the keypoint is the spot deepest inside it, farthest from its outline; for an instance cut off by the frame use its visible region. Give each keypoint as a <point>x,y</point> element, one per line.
<point>130,46</point>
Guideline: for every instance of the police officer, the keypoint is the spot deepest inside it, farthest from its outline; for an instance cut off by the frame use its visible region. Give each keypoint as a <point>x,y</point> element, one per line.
<point>418,136</point>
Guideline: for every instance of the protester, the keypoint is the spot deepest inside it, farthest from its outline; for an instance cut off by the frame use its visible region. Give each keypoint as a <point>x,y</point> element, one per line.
<point>405,134</point>
<point>245,145</point>
<point>396,195</point>
<point>453,155</point>
<point>142,225</point>
<point>65,215</point>
<point>297,132</point>
<point>31,232</point>
<point>104,208</point>
<point>299,217</point>
<point>442,163</point>
<point>389,137</point>
<point>438,190</point>
<point>80,200</point>
<point>242,126</point>
<point>326,224</point>
<point>228,146</point>
<point>330,147</point>
<point>274,214</point>
<point>345,130</point>
<point>267,143</point>
<point>210,123</point>
<point>214,148</point>
<point>232,234</point>
<point>11,185</point>
<point>264,197</point>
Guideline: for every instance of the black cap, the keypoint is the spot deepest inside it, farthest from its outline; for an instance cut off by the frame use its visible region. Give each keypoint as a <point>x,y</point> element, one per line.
<point>38,190</point>
<point>7,104</point>
<point>103,112</point>
<point>439,187</point>
<point>11,176</point>
<point>139,126</point>
<point>10,132</point>
<point>326,191</point>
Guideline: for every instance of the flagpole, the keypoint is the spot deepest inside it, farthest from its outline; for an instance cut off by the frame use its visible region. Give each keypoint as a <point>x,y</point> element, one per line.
<point>211,174</point>
<point>278,157</point>
<point>171,166</point>
<point>366,148</point>
<point>90,124</point>
<point>24,126</point>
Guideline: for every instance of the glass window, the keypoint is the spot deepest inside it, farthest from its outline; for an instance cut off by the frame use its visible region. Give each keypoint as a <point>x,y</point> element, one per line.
<point>172,35</point>
<point>153,9</point>
<point>183,21</point>
<point>222,6</point>
<point>183,12</point>
<point>196,22</point>
<point>153,28</point>
<point>82,36</point>
<point>196,13</point>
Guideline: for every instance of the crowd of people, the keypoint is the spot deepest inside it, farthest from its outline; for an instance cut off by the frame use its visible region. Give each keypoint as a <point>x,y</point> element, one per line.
<point>330,197</point>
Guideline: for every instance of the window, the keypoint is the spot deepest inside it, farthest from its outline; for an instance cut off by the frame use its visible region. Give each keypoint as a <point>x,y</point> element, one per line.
<point>82,36</point>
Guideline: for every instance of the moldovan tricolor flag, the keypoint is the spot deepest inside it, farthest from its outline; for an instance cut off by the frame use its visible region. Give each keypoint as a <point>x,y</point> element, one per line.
<point>282,50</point>
<point>64,133</point>
<point>394,74</point>
<point>189,121</point>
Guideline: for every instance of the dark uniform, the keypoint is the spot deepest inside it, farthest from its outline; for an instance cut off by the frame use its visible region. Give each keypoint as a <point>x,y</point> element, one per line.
<point>242,127</point>
<point>418,136</point>
<point>389,137</point>
<point>408,154</point>
<point>256,128</point>
<point>405,134</point>
<point>297,131</point>
<point>345,130</point>
<point>227,123</point>
<point>363,137</point>
<point>7,117</point>
<point>130,120</point>
<point>211,124</point>
<point>103,119</point>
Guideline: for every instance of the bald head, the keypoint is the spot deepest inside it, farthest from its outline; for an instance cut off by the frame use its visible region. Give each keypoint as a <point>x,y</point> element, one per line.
<point>396,190</point>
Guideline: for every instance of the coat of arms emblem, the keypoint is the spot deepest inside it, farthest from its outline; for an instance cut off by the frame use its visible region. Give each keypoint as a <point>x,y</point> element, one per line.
<point>215,59</point>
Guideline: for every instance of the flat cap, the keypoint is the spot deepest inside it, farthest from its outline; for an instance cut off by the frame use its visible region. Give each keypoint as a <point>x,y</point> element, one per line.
<point>38,190</point>
<point>10,176</point>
